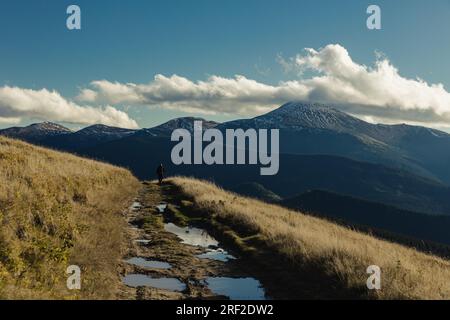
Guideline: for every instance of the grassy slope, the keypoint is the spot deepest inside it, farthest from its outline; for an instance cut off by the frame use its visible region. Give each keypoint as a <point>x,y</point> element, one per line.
<point>308,245</point>
<point>56,210</point>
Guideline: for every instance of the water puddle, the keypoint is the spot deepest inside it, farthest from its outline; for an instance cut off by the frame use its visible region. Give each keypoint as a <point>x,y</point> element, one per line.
<point>141,280</point>
<point>161,207</point>
<point>216,254</point>
<point>236,288</point>
<point>136,206</point>
<point>192,236</point>
<point>245,288</point>
<point>144,263</point>
<point>200,238</point>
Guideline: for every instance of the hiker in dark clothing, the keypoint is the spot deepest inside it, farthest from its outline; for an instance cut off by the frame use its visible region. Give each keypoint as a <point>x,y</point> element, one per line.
<point>160,173</point>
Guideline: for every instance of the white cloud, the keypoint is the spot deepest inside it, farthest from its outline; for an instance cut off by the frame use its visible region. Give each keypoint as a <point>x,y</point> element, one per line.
<point>237,95</point>
<point>9,120</point>
<point>17,103</point>
<point>378,92</point>
<point>87,95</point>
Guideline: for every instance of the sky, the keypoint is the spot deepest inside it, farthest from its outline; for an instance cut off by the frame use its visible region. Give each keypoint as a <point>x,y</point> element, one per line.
<point>139,63</point>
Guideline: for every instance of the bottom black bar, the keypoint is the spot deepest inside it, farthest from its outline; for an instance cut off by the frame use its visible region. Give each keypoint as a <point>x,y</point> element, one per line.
<point>223,309</point>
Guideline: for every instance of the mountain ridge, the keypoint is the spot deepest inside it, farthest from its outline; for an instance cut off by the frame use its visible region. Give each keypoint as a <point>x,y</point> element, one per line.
<point>305,128</point>
<point>36,131</point>
<point>292,115</point>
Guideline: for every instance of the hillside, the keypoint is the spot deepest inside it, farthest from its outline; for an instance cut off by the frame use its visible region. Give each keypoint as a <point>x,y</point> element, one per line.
<point>375,215</point>
<point>58,210</point>
<point>257,191</point>
<point>322,258</point>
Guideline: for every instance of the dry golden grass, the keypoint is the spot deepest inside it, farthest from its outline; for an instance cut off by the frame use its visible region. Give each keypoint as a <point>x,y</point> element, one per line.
<point>56,210</point>
<point>333,250</point>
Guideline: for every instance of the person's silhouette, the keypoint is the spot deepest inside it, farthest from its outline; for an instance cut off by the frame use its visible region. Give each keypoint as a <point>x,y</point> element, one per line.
<point>160,173</point>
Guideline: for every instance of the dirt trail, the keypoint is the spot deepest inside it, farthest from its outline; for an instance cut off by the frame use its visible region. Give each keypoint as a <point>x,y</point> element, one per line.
<point>185,276</point>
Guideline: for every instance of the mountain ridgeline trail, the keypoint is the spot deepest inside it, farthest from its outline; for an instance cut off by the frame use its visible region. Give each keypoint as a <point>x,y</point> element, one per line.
<point>179,252</point>
<point>186,239</point>
<point>189,239</point>
<point>171,255</point>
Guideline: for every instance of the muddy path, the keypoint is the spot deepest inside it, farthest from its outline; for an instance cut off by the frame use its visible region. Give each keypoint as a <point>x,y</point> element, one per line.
<point>170,256</point>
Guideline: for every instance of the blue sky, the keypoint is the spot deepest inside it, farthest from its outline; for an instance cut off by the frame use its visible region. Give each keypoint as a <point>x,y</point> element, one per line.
<point>132,41</point>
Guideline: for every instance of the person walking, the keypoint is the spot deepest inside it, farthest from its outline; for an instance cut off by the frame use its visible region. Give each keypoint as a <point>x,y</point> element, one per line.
<point>160,173</point>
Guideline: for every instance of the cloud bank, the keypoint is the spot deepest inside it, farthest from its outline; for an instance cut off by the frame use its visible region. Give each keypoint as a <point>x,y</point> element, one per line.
<point>237,95</point>
<point>17,103</point>
<point>377,92</point>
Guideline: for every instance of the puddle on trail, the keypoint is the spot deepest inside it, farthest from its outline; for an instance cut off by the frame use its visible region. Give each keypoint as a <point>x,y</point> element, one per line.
<point>216,254</point>
<point>161,207</point>
<point>142,280</point>
<point>245,288</point>
<point>236,288</point>
<point>144,263</point>
<point>200,238</point>
<point>192,236</point>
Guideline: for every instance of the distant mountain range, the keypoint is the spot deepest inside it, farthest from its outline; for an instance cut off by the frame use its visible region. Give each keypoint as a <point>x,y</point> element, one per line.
<point>321,148</point>
<point>166,129</point>
<point>87,137</point>
<point>318,129</point>
<point>37,132</point>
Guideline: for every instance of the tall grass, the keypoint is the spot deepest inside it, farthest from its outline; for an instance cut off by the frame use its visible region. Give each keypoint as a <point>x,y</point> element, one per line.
<point>311,243</point>
<point>58,210</point>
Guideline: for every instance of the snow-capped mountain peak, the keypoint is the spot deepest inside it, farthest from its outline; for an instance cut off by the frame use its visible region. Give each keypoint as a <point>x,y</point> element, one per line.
<point>297,115</point>
<point>36,132</point>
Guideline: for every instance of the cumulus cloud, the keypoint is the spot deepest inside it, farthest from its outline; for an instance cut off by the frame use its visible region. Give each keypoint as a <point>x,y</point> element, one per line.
<point>17,103</point>
<point>237,95</point>
<point>377,91</point>
<point>10,121</point>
